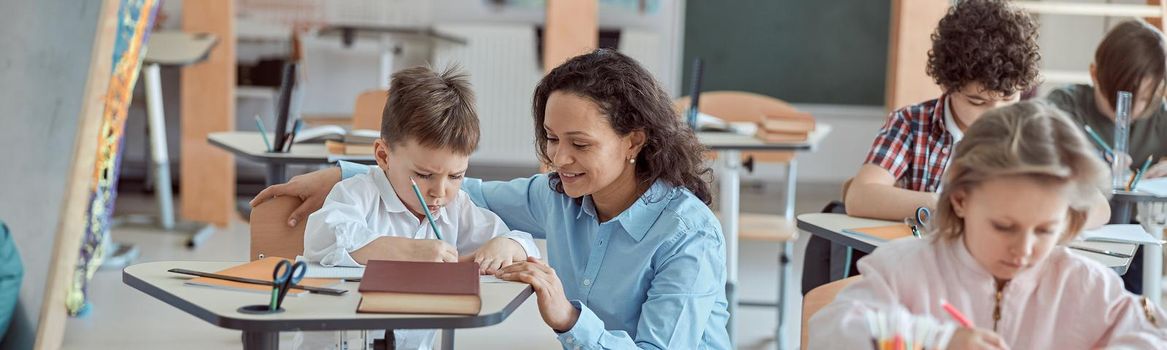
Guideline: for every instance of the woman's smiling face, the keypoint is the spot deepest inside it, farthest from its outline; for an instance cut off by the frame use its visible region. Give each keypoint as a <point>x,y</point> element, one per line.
<point>582,146</point>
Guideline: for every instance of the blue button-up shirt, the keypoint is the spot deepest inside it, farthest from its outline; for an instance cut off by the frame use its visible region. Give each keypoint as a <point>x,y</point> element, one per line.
<point>652,277</point>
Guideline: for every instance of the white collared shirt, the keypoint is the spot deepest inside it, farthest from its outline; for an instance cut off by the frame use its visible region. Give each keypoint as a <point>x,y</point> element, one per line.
<point>362,208</point>
<point>950,123</point>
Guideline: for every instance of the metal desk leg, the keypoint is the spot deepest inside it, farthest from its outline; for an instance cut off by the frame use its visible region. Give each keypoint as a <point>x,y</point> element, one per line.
<point>277,173</point>
<point>261,340</point>
<point>158,151</point>
<point>447,339</point>
<point>730,190</point>
<point>1153,271</point>
<point>1151,216</point>
<point>783,257</point>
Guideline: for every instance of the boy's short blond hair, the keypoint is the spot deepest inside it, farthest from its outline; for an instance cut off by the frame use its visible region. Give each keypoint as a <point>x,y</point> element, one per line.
<point>433,109</point>
<point>1024,139</point>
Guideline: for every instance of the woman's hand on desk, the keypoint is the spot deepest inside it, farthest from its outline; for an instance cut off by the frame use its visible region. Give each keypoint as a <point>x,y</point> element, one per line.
<point>311,188</point>
<point>406,249</point>
<point>556,310</point>
<point>496,253</point>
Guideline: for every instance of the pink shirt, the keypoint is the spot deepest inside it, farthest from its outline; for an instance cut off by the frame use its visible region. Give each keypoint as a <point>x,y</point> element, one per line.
<point>1063,302</point>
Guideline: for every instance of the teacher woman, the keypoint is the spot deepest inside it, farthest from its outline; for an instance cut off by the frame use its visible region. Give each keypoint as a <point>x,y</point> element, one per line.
<point>635,257</point>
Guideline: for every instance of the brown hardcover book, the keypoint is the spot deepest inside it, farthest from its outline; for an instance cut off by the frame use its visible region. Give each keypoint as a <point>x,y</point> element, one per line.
<point>337,147</point>
<point>261,269</point>
<point>789,114</point>
<point>787,125</point>
<point>776,137</point>
<point>420,288</point>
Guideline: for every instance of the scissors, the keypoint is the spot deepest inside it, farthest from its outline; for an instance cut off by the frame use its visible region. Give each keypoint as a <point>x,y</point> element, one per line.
<point>923,216</point>
<point>284,276</point>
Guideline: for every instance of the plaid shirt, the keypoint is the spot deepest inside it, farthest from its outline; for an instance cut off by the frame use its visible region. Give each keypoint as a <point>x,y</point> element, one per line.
<point>914,146</point>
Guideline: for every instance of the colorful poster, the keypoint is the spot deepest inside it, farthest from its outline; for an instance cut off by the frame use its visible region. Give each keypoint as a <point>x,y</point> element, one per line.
<point>135,20</point>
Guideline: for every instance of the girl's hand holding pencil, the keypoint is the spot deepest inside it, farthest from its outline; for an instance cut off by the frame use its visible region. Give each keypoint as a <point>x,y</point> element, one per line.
<point>975,338</point>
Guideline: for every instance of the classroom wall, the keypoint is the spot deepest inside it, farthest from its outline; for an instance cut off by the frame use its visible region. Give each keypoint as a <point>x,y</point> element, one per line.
<point>1068,42</point>
<point>822,52</point>
<point>43,67</point>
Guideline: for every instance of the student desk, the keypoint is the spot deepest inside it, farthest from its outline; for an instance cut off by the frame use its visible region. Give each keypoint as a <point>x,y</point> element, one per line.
<point>307,312</point>
<point>249,145</point>
<point>1152,214</point>
<point>729,147</point>
<point>831,226</point>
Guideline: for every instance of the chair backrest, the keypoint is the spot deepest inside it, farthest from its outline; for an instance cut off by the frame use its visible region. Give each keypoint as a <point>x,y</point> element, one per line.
<point>847,187</point>
<point>270,234</point>
<point>367,111</point>
<point>740,106</point>
<point>818,298</point>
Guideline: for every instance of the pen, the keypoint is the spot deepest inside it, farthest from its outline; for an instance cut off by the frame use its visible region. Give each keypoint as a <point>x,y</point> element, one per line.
<point>295,131</point>
<point>956,314</point>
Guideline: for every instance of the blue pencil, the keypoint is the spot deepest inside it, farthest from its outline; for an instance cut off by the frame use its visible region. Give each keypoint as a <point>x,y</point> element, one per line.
<point>426,209</point>
<point>263,132</point>
<point>1143,170</point>
<point>1098,140</point>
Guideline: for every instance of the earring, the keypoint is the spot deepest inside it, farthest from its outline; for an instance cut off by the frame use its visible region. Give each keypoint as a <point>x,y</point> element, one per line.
<point>631,160</point>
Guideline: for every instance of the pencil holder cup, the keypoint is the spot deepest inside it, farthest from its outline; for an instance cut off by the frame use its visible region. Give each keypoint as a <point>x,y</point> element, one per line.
<point>259,309</point>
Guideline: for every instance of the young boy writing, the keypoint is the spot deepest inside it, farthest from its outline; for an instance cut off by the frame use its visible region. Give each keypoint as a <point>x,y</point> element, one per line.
<point>428,130</point>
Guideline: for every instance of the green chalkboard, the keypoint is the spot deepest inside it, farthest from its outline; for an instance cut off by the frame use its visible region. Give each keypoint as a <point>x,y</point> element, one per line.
<point>801,51</point>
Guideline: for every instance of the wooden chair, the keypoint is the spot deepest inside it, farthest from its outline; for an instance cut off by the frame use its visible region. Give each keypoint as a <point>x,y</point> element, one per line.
<point>739,106</point>
<point>270,234</point>
<point>818,298</point>
<point>368,109</point>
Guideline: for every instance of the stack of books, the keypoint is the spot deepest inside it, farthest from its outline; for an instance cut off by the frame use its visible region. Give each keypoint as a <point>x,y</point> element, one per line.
<point>787,126</point>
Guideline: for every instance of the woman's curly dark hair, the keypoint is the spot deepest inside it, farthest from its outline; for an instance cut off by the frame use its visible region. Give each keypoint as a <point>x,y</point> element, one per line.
<point>632,100</point>
<point>985,41</point>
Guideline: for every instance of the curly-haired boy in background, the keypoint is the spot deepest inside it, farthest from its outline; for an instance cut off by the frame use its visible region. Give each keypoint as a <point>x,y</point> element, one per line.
<point>984,55</point>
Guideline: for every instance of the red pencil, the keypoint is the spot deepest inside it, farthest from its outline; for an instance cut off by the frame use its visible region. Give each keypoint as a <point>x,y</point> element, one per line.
<point>956,314</point>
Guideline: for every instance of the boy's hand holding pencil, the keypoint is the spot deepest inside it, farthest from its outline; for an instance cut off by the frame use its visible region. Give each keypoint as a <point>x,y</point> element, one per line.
<point>406,249</point>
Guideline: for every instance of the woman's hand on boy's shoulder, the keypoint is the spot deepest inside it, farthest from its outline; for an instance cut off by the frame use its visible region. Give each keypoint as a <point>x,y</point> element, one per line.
<point>311,188</point>
<point>406,249</point>
<point>497,253</point>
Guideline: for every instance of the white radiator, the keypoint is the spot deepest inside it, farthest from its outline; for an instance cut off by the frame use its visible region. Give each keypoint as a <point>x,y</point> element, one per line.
<point>502,64</point>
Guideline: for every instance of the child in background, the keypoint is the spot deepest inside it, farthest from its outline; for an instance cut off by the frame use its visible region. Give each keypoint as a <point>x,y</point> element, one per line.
<point>903,168</point>
<point>1017,189</point>
<point>1130,58</point>
<point>428,130</point>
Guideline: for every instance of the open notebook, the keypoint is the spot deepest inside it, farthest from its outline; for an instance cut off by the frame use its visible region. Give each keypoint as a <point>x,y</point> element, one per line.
<point>315,270</point>
<point>1120,234</point>
<point>260,270</point>
<point>1157,186</point>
